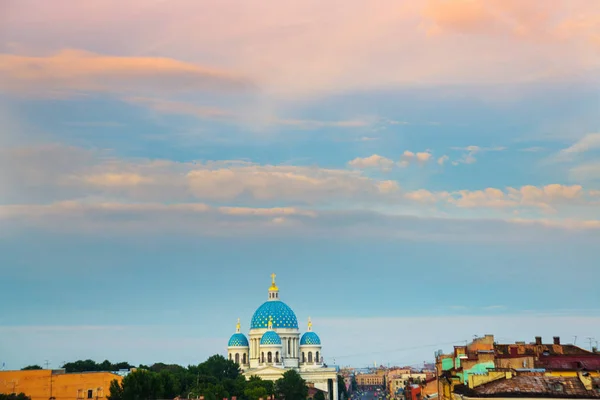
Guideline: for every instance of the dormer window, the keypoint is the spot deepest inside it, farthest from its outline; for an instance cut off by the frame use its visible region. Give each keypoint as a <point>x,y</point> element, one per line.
<point>557,387</point>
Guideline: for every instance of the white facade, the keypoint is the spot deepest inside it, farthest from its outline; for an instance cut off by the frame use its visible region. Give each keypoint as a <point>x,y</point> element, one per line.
<point>274,345</point>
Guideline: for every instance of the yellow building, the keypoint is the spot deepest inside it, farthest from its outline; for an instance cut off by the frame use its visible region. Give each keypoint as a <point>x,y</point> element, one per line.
<point>46,384</point>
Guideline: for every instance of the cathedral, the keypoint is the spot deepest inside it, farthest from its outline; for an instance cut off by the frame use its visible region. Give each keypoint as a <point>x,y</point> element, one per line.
<point>274,345</point>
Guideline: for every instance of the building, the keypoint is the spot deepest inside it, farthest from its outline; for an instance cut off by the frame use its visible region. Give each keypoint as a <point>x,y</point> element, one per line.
<point>44,384</point>
<point>274,345</point>
<point>475,363</point>
<point>535,385</point>
<point>370,381</point>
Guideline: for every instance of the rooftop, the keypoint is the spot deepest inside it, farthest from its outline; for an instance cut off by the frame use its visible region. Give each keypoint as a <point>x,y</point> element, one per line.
<point>538,386</point>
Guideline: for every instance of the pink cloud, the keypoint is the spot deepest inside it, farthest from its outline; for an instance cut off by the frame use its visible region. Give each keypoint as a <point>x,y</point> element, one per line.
<point>83,71</point>
<point>310,47</point>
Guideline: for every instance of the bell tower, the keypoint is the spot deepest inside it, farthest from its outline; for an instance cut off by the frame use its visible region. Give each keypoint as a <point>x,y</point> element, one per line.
<point>273,289</point>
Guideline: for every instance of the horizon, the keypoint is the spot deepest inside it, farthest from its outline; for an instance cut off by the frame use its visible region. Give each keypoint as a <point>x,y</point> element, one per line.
<point>415,173</point>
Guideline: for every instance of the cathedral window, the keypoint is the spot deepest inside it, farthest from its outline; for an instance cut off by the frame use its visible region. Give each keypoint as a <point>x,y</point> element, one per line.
<point>310,359</point>
<point>237,358</point>
<point>269,357</point>
<point>244,358</point>
<point>263,357</point>
<point>317,356</point>
<point>303,357</point>
<point>276,356</point>
<point>289,346</point>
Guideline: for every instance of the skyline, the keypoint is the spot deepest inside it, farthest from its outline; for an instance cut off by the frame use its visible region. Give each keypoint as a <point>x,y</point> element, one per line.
<point>429,163</point>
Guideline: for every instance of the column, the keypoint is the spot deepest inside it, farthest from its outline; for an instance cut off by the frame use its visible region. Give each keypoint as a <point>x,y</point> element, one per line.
<point>335,389</point>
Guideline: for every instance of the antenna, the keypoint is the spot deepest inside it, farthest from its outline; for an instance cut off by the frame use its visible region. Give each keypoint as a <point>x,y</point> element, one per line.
<point>46,363</point>
<point>575,341</point>
<point>590,340</point>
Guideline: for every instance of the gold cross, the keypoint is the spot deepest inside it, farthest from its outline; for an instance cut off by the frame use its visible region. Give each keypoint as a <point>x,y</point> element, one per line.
<point>273,278</point>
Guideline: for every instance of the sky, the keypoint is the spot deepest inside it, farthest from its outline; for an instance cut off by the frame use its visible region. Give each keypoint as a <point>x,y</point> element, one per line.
<point>416,173</point>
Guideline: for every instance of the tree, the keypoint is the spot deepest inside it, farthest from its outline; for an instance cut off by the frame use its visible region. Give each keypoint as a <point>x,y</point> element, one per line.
<point>353,384</point>
<point>219,367</point>
<point>115,391</point>
<point>30,367</point>
<point>138,385</point>
<point>291,386</point>
<point>342,391</point>
<point>256,388</point>
<point>14,396</point>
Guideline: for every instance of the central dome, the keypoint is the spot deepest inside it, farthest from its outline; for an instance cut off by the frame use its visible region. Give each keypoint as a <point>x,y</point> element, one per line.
<point>283,316</point>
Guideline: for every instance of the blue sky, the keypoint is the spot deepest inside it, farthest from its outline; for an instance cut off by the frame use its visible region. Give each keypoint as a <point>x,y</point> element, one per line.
<point>151,184</point>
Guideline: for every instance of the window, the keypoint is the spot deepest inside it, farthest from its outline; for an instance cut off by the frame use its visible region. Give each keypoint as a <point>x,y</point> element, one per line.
<point>90,394</point>
<point>80,394</point>
<point>557,387</point>
<point>237,358</point>
<point>310,356</point>
<point>269,357</point>
<point>263,357</point>
<point>289,346</point>
<point>244,358</point>
<point>303,357</point>
<point>229,356</point>
<point>317,356</point>
<point>276,356</point>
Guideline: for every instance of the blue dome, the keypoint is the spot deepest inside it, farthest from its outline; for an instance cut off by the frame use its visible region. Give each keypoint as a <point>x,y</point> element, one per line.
<point>270,337</point>
<point>238,340</point>
<point>282,314</point>
<point>310,338</point>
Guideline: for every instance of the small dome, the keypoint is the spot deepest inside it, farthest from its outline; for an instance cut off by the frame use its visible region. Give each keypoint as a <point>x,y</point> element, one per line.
<point>270,338</point>
<point>238,340</point>
<point>310,338</point>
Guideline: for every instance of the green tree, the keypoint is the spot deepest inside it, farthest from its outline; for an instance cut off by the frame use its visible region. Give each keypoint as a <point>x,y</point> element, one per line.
<point>291,386</point>
<point>219,367</point>
<point>342,391</point>
<point>30,367</point>
<point>14,396</point>
<point>115,391</point>
<point>319,396</point>
<point>256,388</point>
<point>353,384</point>
<point>138,385</point>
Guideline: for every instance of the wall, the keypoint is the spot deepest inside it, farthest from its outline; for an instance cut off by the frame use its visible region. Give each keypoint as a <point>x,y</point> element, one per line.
<point>43,384</point>
<point>476,380</point>
<point>515,363</point>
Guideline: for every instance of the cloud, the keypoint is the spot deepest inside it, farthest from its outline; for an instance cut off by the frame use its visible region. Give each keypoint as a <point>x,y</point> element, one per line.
<point>545,198</point>
<point>373,161</point>
<point>586,172</point>
<point>55,173</point>
<point>471,151</point>
<point>240,117</point>
<point>488,198</point>
<point>487,17</point>
<point>589,142</point>
<point>443,159</point>
<point>278,48</point>
<point>408,158</point>
<point>96,218</point>
<point>426,196</point>
<point>77,70</point>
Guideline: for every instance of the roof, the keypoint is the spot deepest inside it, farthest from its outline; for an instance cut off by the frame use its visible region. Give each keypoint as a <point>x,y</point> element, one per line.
<point>538,386</point>
<point>534,349</point>
<point>582,362</point>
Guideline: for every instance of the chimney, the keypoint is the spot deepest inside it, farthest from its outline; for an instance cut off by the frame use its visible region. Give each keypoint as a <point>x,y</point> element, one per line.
<point>557,340</point>
<point>538,340</point>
